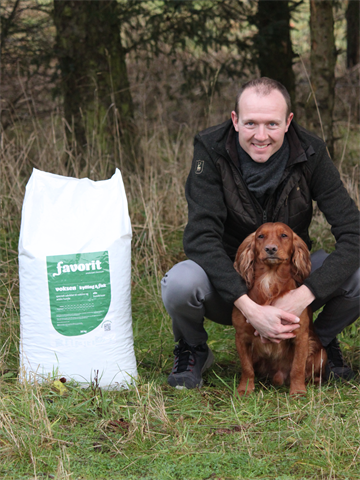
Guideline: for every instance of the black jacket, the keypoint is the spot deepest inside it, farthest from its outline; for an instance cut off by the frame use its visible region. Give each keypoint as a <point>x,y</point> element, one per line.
<point>222,211</point>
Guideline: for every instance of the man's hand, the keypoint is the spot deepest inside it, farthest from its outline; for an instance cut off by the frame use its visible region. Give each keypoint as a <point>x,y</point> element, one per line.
<point>278,321</point>
<point>269,322</point>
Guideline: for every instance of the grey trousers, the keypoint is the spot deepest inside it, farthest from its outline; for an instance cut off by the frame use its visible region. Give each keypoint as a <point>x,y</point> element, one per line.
<point>189,296</point>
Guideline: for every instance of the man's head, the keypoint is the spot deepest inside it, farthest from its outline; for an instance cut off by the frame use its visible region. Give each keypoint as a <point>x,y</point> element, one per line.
<point>261,117</point>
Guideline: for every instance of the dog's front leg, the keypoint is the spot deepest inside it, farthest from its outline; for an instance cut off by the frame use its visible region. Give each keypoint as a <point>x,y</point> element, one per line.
<point>243,346</point>
<point>297,372</point>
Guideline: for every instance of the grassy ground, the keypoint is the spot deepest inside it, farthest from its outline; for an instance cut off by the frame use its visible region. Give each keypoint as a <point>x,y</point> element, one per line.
<point>154,432</point>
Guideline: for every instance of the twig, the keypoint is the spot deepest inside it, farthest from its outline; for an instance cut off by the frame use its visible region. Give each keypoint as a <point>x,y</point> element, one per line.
<point>316,104</point>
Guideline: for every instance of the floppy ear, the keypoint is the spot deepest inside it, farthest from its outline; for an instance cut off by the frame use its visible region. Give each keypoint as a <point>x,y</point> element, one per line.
<point>301,263</point>
<point>244,261</point>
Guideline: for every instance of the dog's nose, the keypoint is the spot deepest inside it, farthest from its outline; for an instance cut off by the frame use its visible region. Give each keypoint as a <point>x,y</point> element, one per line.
<point>271,249</point>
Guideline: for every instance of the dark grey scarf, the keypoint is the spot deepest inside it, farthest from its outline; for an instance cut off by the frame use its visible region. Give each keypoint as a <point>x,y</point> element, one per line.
<point>262,179</point>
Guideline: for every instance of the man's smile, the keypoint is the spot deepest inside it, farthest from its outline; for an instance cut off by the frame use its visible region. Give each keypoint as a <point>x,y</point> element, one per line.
<point>257,145</point>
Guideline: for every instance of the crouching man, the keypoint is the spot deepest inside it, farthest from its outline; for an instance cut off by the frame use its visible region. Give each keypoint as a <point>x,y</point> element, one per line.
<point>260,166</point>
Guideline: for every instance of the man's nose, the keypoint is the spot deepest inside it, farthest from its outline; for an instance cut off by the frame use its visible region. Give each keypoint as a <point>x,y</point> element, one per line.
<point>261,133</point>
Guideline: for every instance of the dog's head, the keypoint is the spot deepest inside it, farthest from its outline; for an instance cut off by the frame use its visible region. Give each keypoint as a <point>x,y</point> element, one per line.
<point>273,244</point>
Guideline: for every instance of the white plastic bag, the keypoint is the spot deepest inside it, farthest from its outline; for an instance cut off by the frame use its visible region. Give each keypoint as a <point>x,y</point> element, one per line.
<point>75,280</point>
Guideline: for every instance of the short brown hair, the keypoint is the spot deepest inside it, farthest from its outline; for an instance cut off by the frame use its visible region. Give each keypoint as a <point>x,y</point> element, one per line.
<point>264,86</point>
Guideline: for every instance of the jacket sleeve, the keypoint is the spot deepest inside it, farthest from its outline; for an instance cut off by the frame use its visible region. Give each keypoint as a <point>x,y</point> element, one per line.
<point>206,217</point>
<point>343,216</point>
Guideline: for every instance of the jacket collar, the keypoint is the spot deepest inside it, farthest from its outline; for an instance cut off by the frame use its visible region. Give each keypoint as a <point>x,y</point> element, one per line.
<point>298,152</point>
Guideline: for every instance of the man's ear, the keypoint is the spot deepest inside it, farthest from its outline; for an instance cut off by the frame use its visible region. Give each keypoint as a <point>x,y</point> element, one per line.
<point>234,119</point>
<point>288,121</point>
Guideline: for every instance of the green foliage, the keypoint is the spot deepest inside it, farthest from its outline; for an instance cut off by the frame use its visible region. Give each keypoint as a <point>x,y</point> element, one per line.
<point>194,33</point>
<point>26,56</point>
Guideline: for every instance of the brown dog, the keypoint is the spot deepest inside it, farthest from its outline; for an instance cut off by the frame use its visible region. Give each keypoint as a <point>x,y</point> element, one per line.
<point>272,261</point>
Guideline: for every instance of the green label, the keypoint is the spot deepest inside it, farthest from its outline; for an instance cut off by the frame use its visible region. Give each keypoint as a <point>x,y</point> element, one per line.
<point>79,291</point>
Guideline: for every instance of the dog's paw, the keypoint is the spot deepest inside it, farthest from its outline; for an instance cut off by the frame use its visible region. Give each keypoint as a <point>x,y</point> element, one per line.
<point>244,390</point>
<point>298,392</point>
<point>243,393</point>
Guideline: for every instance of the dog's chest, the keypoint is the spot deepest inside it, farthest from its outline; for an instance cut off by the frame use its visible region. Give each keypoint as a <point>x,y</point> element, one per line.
<point>267,281</point>
<point>269,285</point>
<point>272,351</point>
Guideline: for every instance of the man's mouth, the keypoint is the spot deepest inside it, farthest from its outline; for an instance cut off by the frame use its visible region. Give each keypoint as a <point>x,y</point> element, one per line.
<point>261,146</point>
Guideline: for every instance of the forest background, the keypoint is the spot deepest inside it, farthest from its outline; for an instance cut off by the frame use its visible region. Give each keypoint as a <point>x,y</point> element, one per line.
<point>88,86</point>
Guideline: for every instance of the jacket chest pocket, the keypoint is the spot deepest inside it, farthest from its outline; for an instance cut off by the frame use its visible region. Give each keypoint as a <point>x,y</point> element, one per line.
<point>296,210</point>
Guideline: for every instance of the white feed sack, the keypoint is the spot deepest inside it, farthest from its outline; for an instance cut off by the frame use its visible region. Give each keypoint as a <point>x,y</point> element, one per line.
<point>75,281</point>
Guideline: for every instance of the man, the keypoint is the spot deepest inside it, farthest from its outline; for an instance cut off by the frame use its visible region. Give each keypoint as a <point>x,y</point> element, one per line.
<point>259,167</point>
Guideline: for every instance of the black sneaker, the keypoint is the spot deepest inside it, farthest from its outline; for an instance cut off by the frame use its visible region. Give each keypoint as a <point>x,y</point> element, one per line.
<point>190,362</point>
<point>336,367</point>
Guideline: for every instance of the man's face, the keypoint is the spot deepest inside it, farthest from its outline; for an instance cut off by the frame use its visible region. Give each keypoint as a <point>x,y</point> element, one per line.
<point>261,123</point>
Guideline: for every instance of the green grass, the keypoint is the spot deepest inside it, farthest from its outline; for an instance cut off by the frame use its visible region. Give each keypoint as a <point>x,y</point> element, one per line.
<point>152,431</point>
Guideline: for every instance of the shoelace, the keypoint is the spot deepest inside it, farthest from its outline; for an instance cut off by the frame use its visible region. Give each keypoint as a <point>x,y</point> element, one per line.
<point>185,358</point>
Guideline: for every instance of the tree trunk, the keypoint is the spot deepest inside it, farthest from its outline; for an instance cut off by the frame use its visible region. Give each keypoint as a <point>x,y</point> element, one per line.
<point>94,78</point>
<point>273,43</point>
<point>322,64</point>
<point>353,33</point>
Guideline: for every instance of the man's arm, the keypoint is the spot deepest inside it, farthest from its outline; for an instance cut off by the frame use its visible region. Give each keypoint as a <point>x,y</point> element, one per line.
<point>203,235</point>
<point>276,322</point>
<point>343,216</point>
<point>295,301</point>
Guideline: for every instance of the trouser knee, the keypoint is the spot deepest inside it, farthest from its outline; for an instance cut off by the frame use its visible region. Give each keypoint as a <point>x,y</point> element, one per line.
<point>182,287</point>
<point>189,296</point>
<point>340,310</point>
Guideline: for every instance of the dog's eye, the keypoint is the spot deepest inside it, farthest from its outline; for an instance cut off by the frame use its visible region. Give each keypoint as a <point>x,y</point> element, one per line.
<point>261,235</point>
<point>283,235</point>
